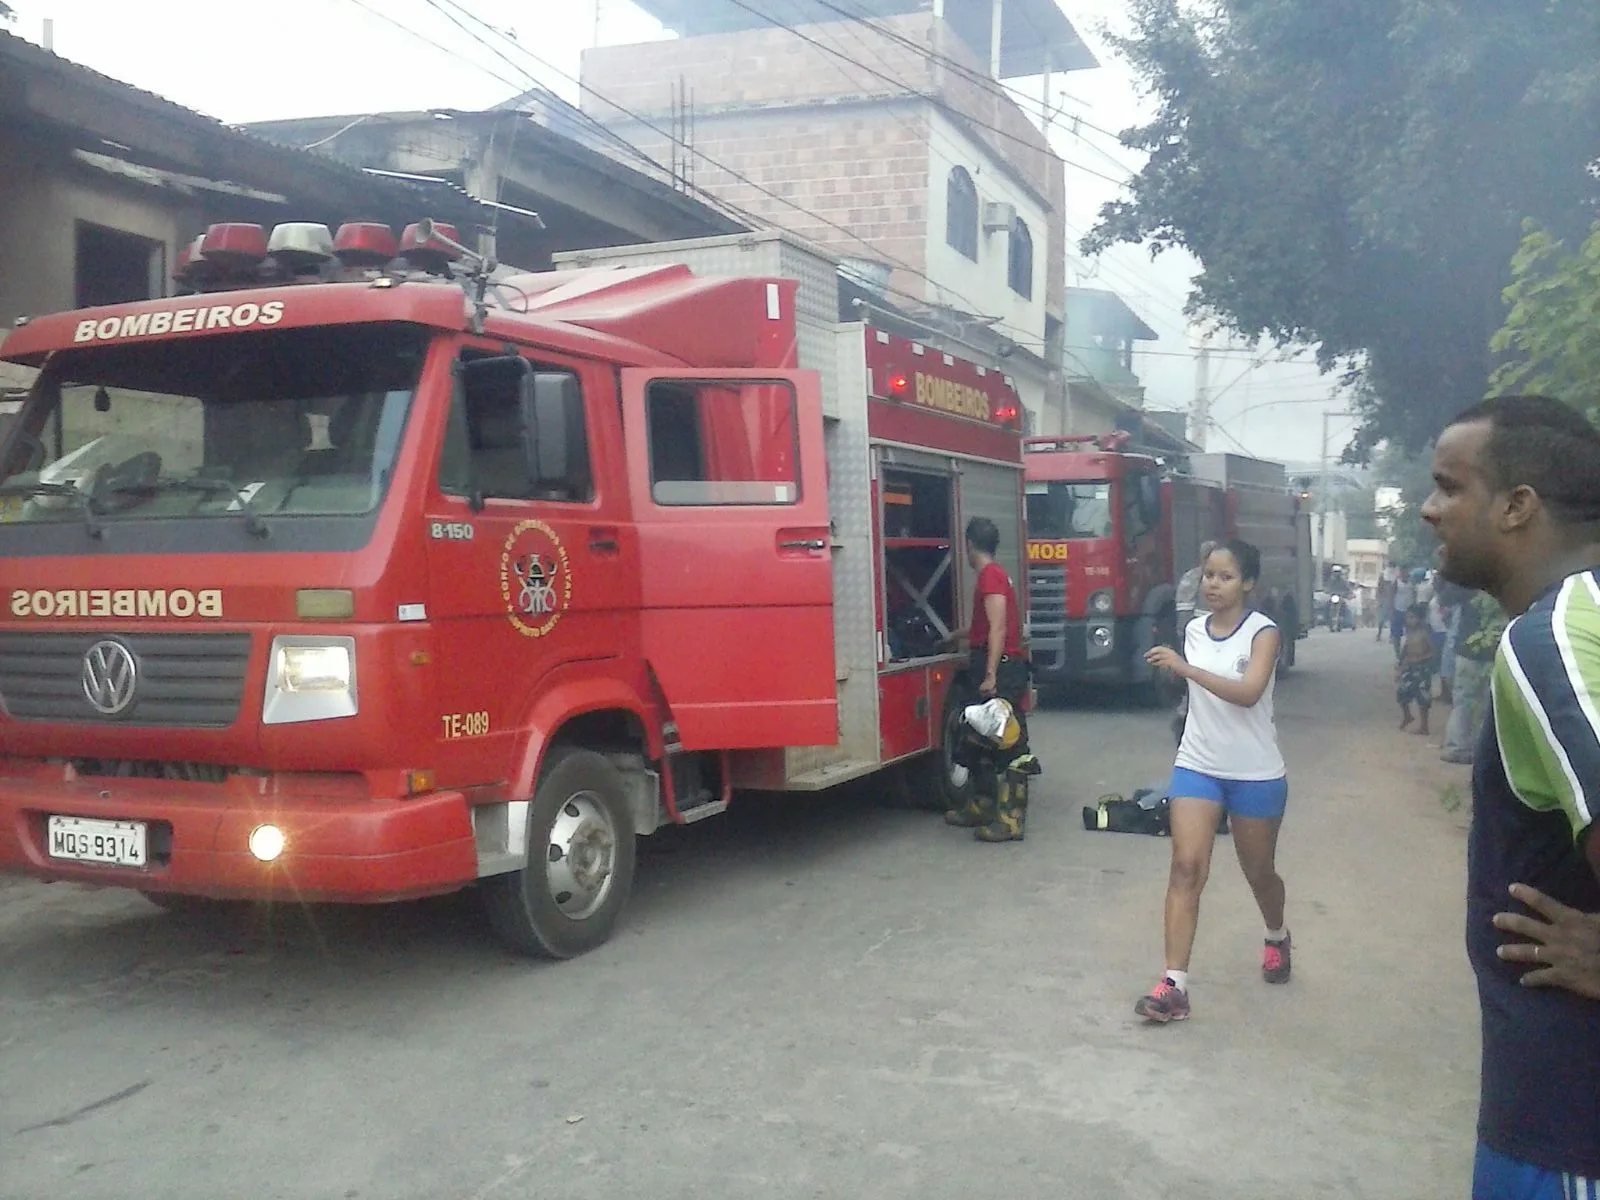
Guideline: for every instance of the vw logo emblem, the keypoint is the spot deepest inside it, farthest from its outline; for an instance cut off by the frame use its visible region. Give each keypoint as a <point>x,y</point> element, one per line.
<point>110,676</point>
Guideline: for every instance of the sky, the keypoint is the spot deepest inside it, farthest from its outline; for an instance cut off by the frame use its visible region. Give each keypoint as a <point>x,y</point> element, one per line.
<point>305,58</point>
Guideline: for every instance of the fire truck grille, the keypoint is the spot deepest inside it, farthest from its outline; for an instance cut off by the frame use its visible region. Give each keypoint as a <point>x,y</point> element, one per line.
<point>129,768</point>
<point>1047,598</point>
<point>193,681</point>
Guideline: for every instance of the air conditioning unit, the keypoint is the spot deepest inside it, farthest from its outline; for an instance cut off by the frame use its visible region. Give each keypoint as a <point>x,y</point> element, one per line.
<point>999,218</point>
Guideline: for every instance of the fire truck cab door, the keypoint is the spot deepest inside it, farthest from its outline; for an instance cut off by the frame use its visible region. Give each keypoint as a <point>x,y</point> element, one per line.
<point>729,479</point>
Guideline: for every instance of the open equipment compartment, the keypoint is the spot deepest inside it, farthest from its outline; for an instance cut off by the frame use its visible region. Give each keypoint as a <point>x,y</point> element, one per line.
<point>919,562</point>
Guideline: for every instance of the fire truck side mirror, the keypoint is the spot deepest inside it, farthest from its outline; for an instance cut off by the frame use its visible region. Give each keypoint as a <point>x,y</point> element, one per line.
<point>552,424</point>
<point>1150,499</point>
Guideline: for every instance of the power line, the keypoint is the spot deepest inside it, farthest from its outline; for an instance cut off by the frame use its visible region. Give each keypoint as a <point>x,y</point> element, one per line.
<point>911,92</point>
<point>916,133</point>
<point>745,214</point>
<point>1032,344</point>
<point>443,49</point>
<point>961,68</point>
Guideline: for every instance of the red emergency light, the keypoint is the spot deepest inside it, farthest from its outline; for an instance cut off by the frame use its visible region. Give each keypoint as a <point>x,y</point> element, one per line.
<point>365,244</point>
<point>234,246</point>
<point>1007,415</point>
<point>899,385</point>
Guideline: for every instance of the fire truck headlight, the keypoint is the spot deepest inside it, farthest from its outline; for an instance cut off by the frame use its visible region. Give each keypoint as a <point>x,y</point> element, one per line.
<point>1101,601</point>
<point>1100,637</point>
<point>310,679</point>
<point>267,843</point>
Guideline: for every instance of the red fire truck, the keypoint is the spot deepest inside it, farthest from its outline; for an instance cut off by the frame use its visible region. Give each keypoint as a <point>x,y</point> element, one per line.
<point>365,572</point>
<point>1110,535</point>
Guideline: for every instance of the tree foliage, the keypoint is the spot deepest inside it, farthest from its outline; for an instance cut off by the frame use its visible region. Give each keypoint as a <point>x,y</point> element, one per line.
<point>1354,174</point>
<point>1411,542</point>
<point>1551,336</point>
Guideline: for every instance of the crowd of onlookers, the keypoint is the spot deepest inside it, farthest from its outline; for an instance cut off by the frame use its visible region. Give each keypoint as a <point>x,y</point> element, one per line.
<point>1444,639</point>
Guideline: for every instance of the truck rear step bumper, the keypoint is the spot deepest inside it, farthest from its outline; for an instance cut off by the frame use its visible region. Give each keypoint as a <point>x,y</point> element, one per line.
<point>197,838</point>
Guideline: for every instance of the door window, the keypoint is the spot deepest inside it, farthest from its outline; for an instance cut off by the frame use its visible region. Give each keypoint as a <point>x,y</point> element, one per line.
<point>722,443</point>
<point>1135,515</point>
<point>485,448</point>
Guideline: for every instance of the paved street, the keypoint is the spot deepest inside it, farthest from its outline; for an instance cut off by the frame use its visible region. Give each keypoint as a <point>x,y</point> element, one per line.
<point>822,999</point>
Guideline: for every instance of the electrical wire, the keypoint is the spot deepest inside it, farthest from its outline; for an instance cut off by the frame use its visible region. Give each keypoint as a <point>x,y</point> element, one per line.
<point>1036,346</point>
<point>744,179</point>
<point>439,46</point>
<point>936,101</point>
<point>972,73</point>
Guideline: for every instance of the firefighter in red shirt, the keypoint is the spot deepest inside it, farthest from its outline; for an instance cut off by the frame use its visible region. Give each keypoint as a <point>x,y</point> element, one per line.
<point>998,809</point>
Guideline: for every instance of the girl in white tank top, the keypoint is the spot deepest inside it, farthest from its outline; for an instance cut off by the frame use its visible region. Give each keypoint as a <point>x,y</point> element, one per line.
<point>1228,762</point>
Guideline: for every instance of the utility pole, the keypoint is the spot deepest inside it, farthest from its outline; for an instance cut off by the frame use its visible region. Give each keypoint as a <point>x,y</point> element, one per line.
<point>1200,409</point>
<point>1322,507</point>
<point>1322,500</point>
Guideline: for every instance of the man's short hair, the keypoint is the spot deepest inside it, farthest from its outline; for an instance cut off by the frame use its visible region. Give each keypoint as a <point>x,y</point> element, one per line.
<point>982,535</point>
<point>1546,445</point>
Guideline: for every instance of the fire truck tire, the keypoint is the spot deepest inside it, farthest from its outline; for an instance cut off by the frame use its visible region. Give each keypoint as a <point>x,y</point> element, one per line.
<point>1288,642</point>
<point>581,854</point>
<point>931,778</point>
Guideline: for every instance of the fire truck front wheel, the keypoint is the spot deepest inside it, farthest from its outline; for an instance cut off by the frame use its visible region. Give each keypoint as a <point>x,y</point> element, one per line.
<point>581,851</point>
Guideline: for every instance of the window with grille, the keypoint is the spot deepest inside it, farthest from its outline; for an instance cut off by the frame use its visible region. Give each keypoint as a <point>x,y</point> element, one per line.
<point>961,213</point>
<point>1020,263</point>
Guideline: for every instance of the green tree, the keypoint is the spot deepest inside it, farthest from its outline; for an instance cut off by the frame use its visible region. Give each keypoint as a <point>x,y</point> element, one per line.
<point>1411,542</point>
<point>1353,174</point>
<point>1551,336</point>
<point>1361,514</point>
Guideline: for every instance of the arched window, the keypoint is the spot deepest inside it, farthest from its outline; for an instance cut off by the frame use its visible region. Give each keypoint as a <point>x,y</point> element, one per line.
<point>961,213</point>
<point>1019,267</point>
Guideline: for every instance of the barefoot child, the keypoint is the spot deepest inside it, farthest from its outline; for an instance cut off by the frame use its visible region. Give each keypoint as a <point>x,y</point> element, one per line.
<point>1413,675</point>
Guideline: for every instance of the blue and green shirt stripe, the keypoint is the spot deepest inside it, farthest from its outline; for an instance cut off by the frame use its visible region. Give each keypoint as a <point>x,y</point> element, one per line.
<point>1547,702</point>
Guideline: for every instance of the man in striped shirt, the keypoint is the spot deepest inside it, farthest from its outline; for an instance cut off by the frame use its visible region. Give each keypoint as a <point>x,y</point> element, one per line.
<point>1517,507</point>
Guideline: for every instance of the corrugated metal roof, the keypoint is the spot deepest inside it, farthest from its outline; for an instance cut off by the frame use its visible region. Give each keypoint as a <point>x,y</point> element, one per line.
<point>26,55</point>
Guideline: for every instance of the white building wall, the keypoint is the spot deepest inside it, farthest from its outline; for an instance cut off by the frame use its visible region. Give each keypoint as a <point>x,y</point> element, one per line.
<point>983,287</point>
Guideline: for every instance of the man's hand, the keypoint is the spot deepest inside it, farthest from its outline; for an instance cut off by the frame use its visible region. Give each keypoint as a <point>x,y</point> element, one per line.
<point>1565,946</point>
<point>989,686</point>
<point>1165,658</point>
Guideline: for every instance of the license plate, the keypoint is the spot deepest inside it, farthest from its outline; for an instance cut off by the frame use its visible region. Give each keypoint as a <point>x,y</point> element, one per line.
<point>120,843</point>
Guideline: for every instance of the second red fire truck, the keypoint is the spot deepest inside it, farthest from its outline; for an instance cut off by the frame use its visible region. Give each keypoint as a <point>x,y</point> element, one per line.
<point>1111,533</point>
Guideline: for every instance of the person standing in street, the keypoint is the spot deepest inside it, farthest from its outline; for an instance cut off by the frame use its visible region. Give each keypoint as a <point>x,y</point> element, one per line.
<point>1516,505</point>
<point>1405,595</point>
<point>1228,763</point>
<point>1481,622</point>
<point>999,808</point>
<point>1413,674</point>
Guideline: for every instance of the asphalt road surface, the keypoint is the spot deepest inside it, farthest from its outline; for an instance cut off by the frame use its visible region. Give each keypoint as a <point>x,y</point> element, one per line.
<point>827,998</point>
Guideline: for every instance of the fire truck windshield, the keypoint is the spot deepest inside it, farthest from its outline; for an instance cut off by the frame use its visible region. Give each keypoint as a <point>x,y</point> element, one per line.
<point>1069,510</point>
<point>281,423</point>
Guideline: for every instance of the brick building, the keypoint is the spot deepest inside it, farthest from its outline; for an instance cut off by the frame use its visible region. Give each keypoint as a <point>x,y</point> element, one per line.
<point>888,141</point>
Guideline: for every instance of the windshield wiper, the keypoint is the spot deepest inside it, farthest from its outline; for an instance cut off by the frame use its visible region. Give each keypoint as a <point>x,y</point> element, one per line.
<point>212,485</point>
<point>47,487</point>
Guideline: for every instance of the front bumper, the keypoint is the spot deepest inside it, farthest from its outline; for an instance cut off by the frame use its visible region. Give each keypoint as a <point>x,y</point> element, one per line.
<point>1070,653</point>
<point>339,848</point>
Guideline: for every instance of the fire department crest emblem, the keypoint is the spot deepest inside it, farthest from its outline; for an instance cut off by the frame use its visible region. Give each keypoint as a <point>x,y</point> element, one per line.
<point>535,579</point>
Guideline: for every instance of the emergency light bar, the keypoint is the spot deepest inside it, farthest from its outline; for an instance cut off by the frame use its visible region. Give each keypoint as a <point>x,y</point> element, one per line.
<point>238,254</point>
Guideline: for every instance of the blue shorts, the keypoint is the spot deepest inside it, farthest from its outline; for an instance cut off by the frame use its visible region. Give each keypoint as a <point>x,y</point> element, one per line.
<point>1261,799</point>
<point>1496,1177</point>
